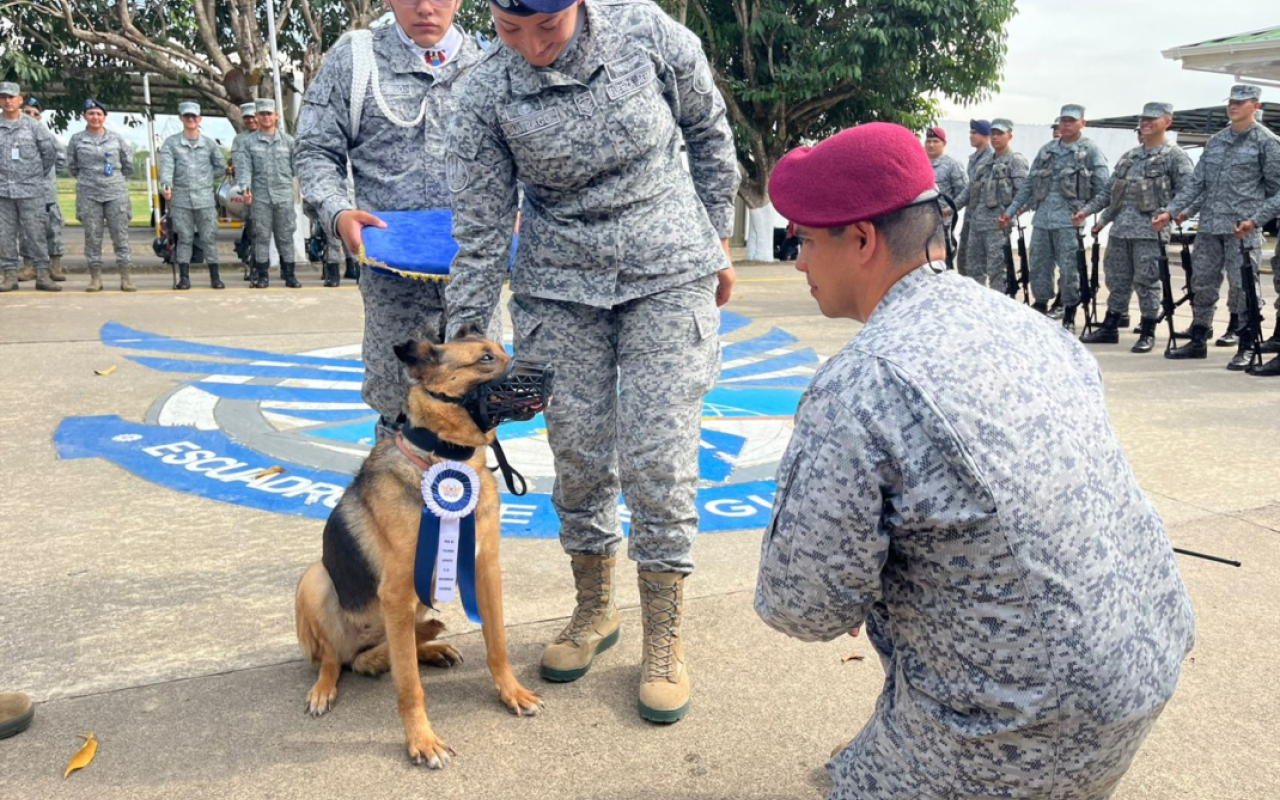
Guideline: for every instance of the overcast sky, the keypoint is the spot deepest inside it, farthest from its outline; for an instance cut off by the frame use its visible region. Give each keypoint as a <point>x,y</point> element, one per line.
<point>1105,54</point>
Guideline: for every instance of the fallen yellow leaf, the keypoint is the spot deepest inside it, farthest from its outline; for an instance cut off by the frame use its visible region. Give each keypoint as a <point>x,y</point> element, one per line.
<point>106,371</point>
<point>268,472</point>
<point>85,755</point>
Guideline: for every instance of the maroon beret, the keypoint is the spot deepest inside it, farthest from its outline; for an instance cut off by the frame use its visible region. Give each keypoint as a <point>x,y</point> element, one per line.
<point>936,133</point>
<point>859,174</point>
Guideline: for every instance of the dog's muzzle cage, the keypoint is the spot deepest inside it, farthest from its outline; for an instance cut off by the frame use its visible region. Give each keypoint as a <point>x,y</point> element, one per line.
<point>519,394</point>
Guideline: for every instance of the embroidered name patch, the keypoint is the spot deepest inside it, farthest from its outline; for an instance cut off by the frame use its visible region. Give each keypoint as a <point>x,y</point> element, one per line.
<point>532,123</point>
<point>622,67</point>
<point>630,84</point>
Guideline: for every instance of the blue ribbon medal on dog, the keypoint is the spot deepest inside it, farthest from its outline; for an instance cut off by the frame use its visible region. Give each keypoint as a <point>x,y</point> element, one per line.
<point>447,536</point>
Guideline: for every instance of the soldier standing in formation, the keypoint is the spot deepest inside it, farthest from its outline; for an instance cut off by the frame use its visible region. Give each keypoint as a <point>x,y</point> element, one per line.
<point>264,167</point>
<point>53,228</point>
<point>101,161</point>
<point>1067,173</point>
<point>189,164</point>
<point>389,129</point>
<point>947,173</point>
<point>29,151</point>
<point>623,258</point>
<point>1237,184</point>
<point>980,140</point>
<point>997,182</point>
<point>1144,181</point>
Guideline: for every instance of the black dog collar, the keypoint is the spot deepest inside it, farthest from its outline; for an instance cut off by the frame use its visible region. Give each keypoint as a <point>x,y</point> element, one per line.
<point>424,439</point>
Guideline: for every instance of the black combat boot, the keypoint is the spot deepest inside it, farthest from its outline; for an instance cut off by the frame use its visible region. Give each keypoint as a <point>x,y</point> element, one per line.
<point>1196,348</point>
<point>258,278</point>
<point>1106,333</point>
<point>1124,321</point>
<point>353,270</point>
<point>287,275</point>
<point>184,277</point>
<point>1269,369</point>
<point>1040,306</point>
<point>1244,351</point>
<point>215,279</point>
<point>1232,337</point>
<point>330,272</point>
<point>1272,345</point>
<point>1056,310</point>
<point>1069,318</point>
<point>1146,336</point>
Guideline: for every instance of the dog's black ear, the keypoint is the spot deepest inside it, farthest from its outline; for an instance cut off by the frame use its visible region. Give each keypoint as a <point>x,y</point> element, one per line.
<point>417,354</point>
<point>469,331</point>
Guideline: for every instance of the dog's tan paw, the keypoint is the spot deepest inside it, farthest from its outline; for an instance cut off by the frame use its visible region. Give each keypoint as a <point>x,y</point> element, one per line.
<point>320,699</point>
<point>429,751</point>
<point>520,701</point>
<point>439,654</point>
<point>373,662</point>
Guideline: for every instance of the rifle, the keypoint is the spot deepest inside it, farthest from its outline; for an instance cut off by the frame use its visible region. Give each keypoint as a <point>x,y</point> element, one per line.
<point>1186,265</point>
<point>1251,325</point>
<point>1094,257</point>
<point>1024,271</point>
<point>1167,304</point>
<point>1010,277</point>
<point>1082,274</point>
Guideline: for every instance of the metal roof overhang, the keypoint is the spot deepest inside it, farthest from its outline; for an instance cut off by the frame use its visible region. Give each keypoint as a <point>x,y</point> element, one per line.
<point>1252,57</point>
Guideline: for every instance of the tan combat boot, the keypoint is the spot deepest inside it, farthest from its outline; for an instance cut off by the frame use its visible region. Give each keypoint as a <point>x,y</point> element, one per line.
<point>28,272</point>
<point>16,713</point>
<point>126,282</point>
<point>45,283</point>
<point>95,280</point>
<point>593,627</point>
<point>55,269</point>
<point>664,675</point>
<point>10,281</point>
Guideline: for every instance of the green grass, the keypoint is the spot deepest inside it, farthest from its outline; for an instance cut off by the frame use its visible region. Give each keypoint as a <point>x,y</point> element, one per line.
<point>141,205</point>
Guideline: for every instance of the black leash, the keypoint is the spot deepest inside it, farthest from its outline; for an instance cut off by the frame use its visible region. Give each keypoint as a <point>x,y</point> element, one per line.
<point>1229,562</point>
<point>508,472</point>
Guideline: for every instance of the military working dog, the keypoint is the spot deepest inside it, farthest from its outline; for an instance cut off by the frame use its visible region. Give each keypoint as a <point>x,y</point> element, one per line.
<point>357,606</point>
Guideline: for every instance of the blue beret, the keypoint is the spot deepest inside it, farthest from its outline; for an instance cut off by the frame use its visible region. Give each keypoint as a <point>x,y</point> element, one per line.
<point>92,103</point>
<point>527,8</point>
<point>981,126</point>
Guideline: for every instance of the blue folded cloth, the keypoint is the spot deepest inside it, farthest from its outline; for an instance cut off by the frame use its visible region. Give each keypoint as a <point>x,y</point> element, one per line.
<point>415,244</point>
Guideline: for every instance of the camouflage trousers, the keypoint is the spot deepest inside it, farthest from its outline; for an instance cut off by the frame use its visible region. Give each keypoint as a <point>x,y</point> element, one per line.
<point>186,223</point>
<point>627,415</point>
<point>962,248</point>
<point>1213,254</point>
<point>986,258</point>
<point>1052,247</point>
<point>395,311</point>
<point>52,232</point>
<point>1132,264</point>
<point>276,220</point>
<point>1275,274</point>
<point>22,218</point>
<point>111,214</point>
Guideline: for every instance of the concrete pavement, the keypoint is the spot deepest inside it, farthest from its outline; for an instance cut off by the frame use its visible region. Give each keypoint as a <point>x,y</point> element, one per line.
<point>162,621</point>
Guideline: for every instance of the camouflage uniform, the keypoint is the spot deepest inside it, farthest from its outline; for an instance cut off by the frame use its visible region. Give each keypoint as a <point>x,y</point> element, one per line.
<point>996,184</point>
<point>614,280</point>
<point>951,180</point>
<point>397,160</point>
<point>1064,177</point>
<point>1142,183</point>
<point>189,167</point>
<point>1236,178</point>
<point>53,227</point>
<point>23,192</point>
<point>102,199</point>
<point>1024,599</point>
<point>977,160</point>
<point>264,166</point>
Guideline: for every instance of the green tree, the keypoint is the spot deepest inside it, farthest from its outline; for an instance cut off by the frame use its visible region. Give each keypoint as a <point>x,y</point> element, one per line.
<point>795,71</point>
<point>212,50</point>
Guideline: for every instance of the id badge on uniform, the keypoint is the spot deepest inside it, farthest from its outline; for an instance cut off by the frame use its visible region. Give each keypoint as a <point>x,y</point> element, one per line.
<point>15,154</point>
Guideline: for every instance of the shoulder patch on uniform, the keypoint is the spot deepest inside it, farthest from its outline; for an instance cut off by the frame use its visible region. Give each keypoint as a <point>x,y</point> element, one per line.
<point>703,83</point>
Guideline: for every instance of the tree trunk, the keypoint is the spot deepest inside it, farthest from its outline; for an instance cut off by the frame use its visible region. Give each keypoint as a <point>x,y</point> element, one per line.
<point>760,233</point>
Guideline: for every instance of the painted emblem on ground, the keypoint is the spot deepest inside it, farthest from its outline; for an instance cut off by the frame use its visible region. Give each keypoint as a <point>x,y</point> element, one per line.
<point>244,411</point>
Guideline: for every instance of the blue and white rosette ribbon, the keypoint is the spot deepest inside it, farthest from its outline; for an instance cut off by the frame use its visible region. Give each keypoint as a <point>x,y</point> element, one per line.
<point>447,536</point>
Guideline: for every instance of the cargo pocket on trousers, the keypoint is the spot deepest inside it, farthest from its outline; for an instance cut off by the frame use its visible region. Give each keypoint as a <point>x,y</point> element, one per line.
<point>524,325</point>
